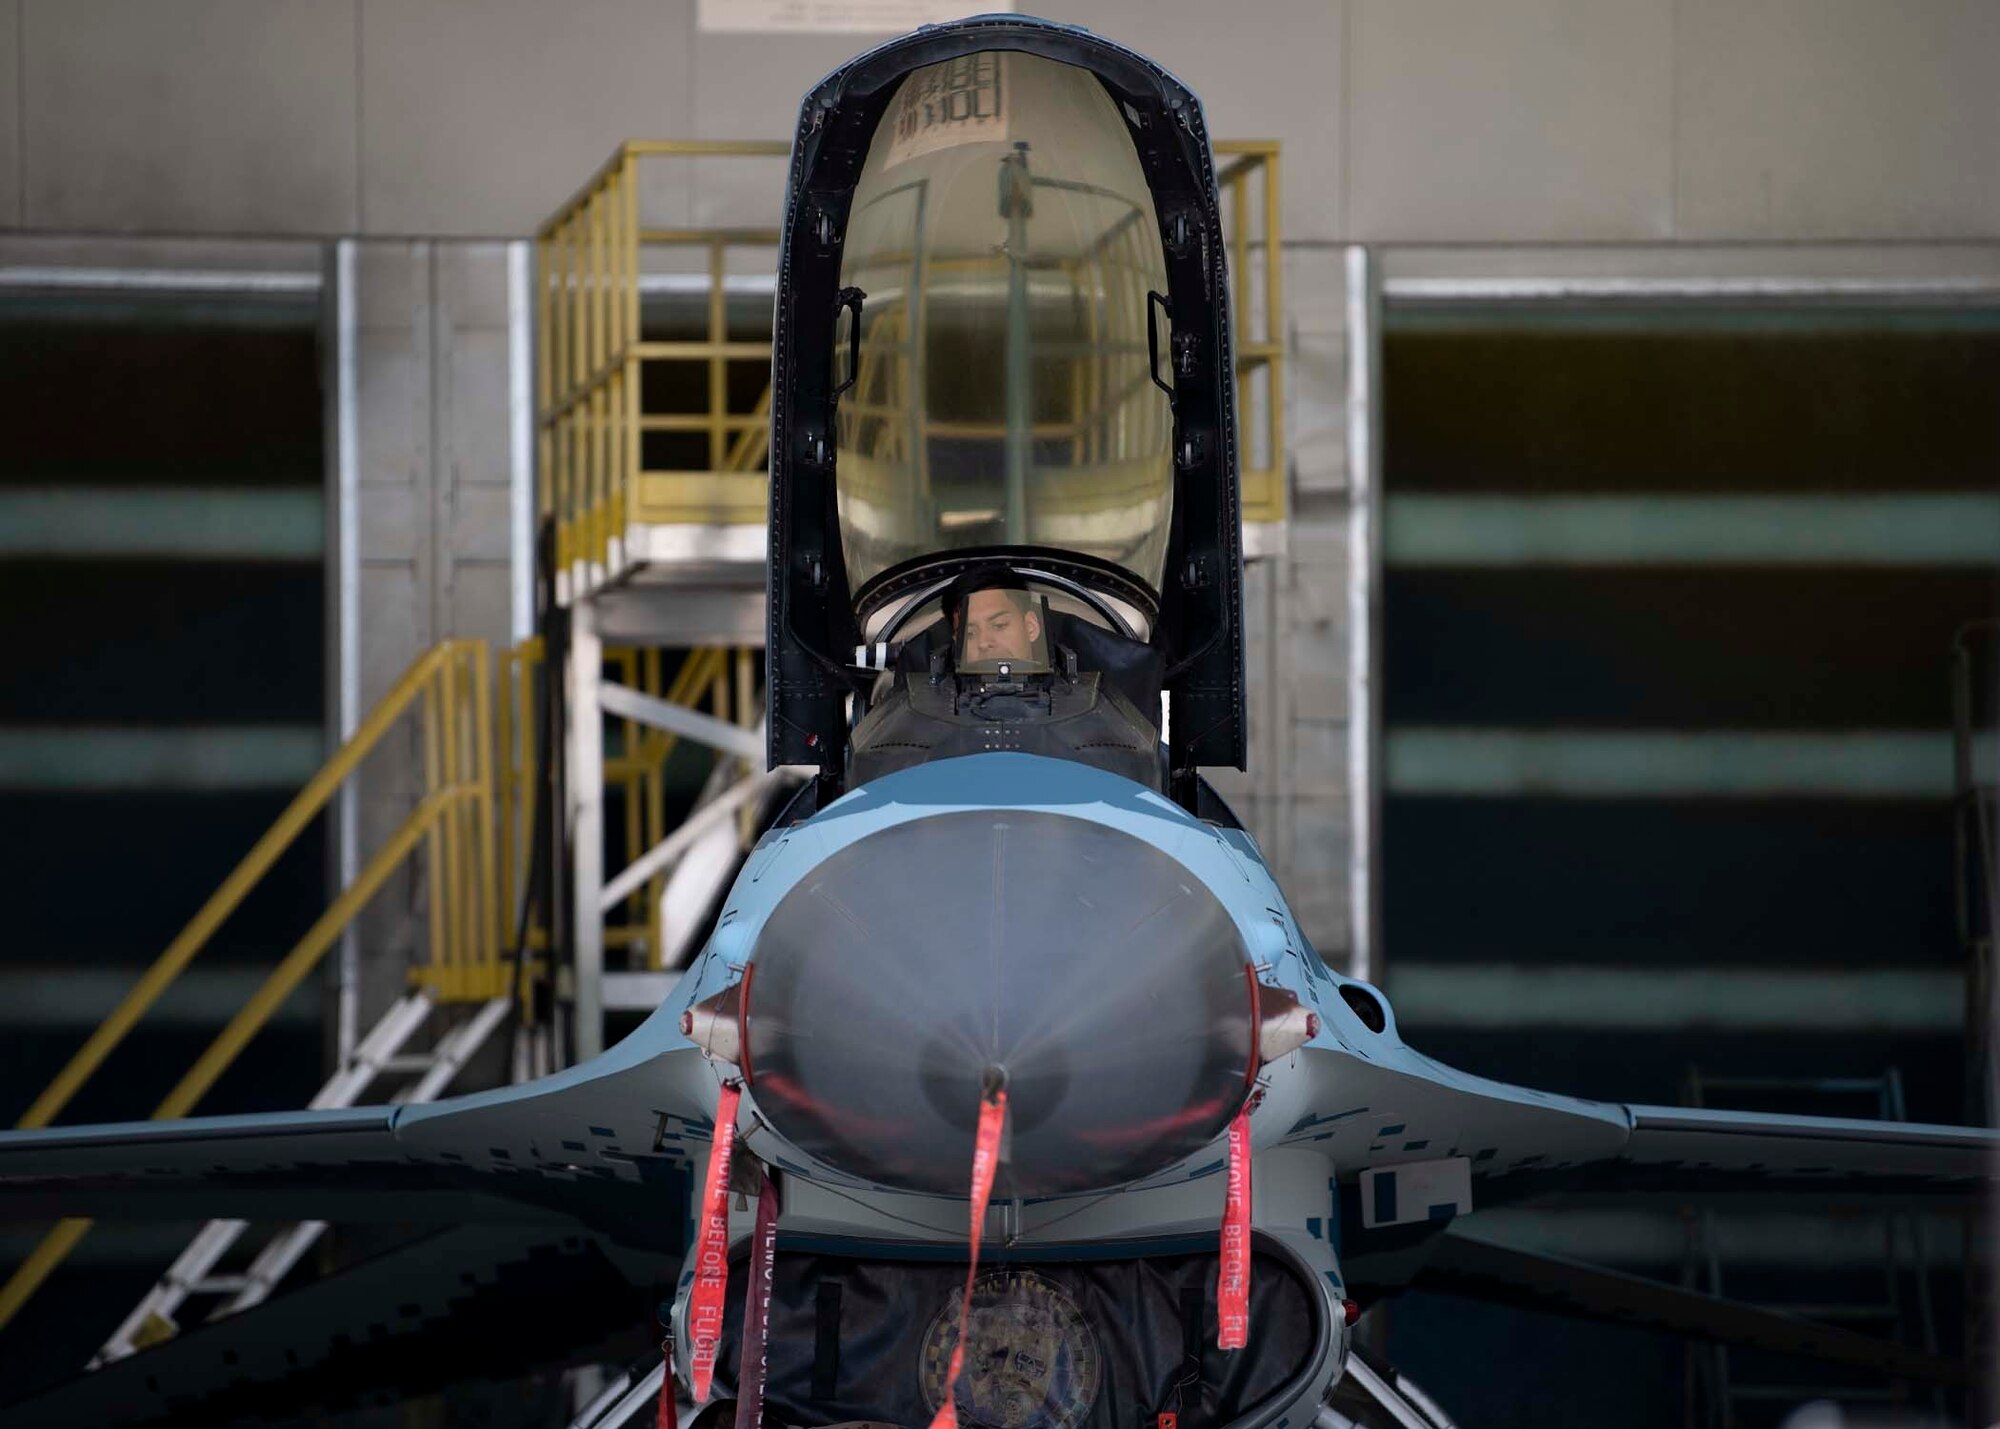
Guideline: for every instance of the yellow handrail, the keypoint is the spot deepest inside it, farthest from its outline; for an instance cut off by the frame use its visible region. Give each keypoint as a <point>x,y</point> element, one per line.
<point>638,770</point>
<point>449,684</point>
<point>283,980</point>
<point>598,365</point>
<point>225,900</point>
<point>291,971</point>
<point>472,868</point>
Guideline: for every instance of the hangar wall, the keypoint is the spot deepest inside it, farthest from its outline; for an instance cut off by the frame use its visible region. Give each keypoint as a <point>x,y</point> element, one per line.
<point>1594,133</point>
<point>1549,121</point>
<point>434,519</point>
<point>434,130</point>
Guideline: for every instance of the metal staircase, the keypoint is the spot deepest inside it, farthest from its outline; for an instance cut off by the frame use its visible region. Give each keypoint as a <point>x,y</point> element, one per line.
<point>630,1398</point>
<point>379,1057</point>
<point>467,842</point>
<point>644,489</point>
<point>1372,1394</point>
<point>1714,1392</point>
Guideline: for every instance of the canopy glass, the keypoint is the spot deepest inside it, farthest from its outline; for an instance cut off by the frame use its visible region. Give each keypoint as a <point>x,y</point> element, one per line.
<point>1004,240</point>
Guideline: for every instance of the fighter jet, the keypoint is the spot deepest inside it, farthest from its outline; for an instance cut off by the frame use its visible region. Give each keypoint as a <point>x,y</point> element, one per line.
<point>1007,1090</point>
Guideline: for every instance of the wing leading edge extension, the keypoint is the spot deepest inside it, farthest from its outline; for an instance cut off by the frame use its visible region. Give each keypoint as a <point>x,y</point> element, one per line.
<point>457,1305</point>
<point>610,1143</point>
<point>1889,1154</point>
<point>1520,1145</point>
<point>1391,1105</point>
<point>328,1165</point>
<point>1694,1152</point>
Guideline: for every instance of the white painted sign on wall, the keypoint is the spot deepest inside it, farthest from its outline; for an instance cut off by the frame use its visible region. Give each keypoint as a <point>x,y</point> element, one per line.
<point>891,17</point>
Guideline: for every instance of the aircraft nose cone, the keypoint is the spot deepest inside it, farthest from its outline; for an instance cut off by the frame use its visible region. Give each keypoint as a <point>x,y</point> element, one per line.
<point>1106,980</point>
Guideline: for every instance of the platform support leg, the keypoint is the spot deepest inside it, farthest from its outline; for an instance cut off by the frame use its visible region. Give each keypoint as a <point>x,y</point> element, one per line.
<point>585,781</point>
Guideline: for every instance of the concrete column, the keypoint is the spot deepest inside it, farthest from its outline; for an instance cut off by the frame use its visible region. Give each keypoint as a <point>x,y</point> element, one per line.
<point>1364,464</point>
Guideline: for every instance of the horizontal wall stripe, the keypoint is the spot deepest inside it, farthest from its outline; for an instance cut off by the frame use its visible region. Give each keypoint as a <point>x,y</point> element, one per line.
<point>1804,297</point>
<point>1705,414</point>
<point>171,523</point>
<point>50,996</point>
<point>227,282</point>
<point>1743,1239</point>
<point>1677,647</point>
<point>1762,883</point>
<point>1666,313</point>
<point>159,312</point>
<point>158,642</point>
<point>199,758</point>
<point>1503,762</point>
<point>1943,529</point>
<point>1500,996</point>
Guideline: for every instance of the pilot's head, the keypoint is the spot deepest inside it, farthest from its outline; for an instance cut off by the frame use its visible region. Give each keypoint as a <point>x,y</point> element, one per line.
<point>998,623</point>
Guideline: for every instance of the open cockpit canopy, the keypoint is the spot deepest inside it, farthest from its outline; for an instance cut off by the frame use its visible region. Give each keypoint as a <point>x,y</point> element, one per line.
<point>1002,344</point>
<point>1001,245</point>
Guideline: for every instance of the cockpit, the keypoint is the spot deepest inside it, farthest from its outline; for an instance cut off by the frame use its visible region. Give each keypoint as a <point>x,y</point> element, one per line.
<point>1004,464</point>
<point>998,389</point>
<point>997,417</point>
<point>1005,658</point>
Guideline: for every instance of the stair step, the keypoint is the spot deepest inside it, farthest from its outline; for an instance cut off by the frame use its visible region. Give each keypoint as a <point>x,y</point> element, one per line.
<point>1810,1310</point>
<point>1801,1393</point>
<point>151,1320</point>
<point>419,1062</point>
<point>219,1285</point>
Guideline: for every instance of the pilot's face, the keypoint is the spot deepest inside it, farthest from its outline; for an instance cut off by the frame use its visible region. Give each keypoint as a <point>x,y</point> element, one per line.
<point>998,629</point>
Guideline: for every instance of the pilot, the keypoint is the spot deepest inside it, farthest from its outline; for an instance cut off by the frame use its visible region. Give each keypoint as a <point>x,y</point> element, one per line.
<point>999,620</point>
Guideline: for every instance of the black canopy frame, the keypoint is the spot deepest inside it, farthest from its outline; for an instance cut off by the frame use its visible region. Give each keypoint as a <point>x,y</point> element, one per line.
<point>1199,625</point>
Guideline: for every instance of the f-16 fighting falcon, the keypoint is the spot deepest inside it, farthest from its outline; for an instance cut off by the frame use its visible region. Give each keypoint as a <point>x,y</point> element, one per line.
<point>1007,1090</point>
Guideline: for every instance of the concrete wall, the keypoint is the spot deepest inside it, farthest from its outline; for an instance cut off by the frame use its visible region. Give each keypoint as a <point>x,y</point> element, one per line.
<point>433,521</point>
<point>433,127</point>
<point>1295,794</point>
<point>1449,120</point>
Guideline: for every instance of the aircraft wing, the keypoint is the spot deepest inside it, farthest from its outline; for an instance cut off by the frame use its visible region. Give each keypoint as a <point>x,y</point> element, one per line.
<point>1493,1144</point>
<point>610,1143</point>
<point>458,1305</point>
<point>1690,1154</point>
<point>329,1165</point>
<point>1691,1150</point>
<point>1399,1107</point>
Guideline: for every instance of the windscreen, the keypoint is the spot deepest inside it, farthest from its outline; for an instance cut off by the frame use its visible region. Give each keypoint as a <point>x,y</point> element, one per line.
<point>1005,240</point>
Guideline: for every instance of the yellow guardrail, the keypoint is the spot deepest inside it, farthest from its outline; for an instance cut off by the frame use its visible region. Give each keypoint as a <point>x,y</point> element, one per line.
<point>709,676</point>
<point>1246,173</point>
<point>635,766</point>
<point>474,825</point>
<point>449,689</point>
<point>596,410</point>
<point>604,381</point>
